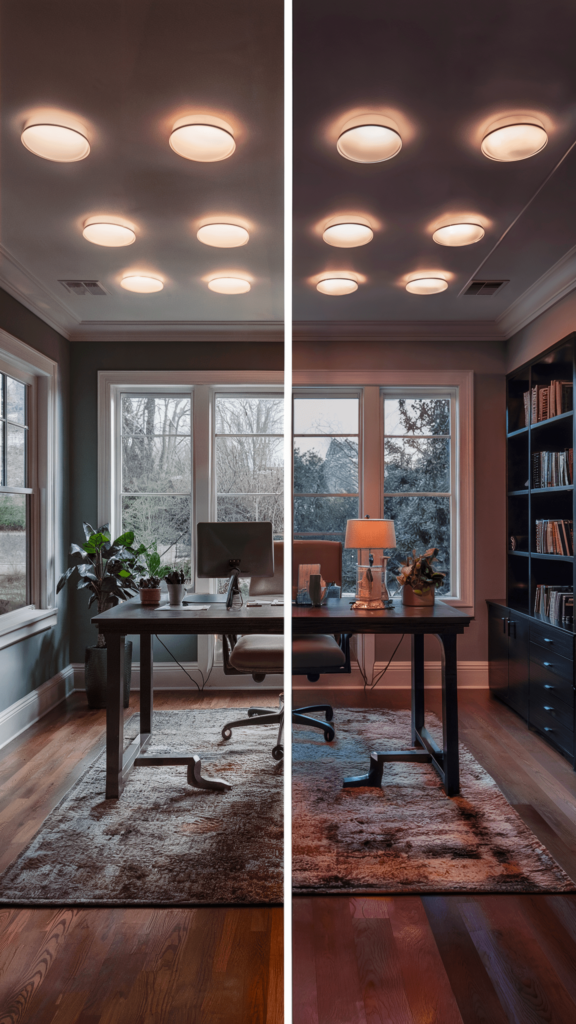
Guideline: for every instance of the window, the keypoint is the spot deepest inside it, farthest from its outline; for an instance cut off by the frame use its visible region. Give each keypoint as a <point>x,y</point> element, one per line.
<point>14,492</point>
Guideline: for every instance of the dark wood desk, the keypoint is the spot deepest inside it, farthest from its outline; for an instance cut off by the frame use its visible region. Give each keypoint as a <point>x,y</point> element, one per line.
<point>133,617</point>
<point>445,623</point>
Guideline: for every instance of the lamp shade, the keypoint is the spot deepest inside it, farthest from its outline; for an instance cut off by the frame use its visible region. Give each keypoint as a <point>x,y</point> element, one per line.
<point>370,533</point>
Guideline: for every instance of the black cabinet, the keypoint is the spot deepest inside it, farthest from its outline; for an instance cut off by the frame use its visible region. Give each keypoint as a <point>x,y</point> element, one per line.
<point>509,640</point>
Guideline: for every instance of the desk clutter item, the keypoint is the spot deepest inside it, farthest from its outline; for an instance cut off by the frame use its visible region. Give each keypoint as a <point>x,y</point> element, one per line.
<point>305,575</point>
<point>554,537</point>
<point>553,469</point>
<point>545,402</point>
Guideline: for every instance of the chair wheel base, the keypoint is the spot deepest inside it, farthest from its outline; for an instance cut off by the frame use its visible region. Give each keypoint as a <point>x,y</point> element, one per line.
<point>278,752</point>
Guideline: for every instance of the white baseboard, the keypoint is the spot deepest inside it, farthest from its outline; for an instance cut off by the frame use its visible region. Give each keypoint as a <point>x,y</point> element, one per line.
<point>26,711</point>
<point>168,676</point>
<point>471,675</point>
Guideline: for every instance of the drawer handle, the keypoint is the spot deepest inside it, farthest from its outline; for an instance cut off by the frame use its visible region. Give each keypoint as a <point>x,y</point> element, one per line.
<point>548,728</point>
<point>548,708</point>
<point>547,641</point>
<point>548,686</point>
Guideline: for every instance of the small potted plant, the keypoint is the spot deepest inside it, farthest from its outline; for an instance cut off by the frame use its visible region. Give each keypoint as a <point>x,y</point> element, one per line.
<point>419,579</point>
<point>149,587</point>
<point>149,582</point>
<point>108,570</point>
<point>176,583</point>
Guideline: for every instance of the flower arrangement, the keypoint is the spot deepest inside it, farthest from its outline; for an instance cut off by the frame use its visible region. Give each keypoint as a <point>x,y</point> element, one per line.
<point>418,572</point>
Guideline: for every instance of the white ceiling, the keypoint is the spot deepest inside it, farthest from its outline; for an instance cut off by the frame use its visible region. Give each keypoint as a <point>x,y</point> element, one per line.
<point>443,69</point>
<point>129,69</point>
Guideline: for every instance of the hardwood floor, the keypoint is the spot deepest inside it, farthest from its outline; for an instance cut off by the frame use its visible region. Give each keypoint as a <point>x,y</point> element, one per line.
<point>132,965</point>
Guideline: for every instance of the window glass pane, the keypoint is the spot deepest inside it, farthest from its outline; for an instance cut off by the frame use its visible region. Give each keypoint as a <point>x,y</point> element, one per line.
<point>316,415</point>
<point>151,463</point>
<point>417,416</point>
<point>164,519</point>
<point>15,455</point>
<point>249,415</point>
<point>153,414</point>
<point>421,523</point>
<point>15,400</point>
<point>326,465</point>
<point>2,412</point>
<point>13,552</point>
<point>417,464</point>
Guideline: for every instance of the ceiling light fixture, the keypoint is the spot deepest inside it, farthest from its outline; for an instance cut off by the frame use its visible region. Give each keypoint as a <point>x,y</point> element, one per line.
<point>56,142</point>
<point>337,286</point>
<point>427,285</point>
<point>229,285</point>
<point>202,137</point>
<point>223,236</point>
<point>458,234</point>
<point>514,138</point>
<point>110,231</point>
<point>141,283</point>
<point>348,234</point>
<point>369,139</point>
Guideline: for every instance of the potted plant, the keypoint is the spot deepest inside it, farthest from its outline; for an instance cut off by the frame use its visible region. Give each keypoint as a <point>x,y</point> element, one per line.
<point>107,569</point>
<point>149,582</point>
<point>419,579</point>
<point>176,583</point>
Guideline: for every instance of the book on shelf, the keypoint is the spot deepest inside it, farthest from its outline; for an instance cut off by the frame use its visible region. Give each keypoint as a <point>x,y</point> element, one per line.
<point>543,403</point>
<point>552,469</point>
<point>554,604</point>
<point>554,537</point>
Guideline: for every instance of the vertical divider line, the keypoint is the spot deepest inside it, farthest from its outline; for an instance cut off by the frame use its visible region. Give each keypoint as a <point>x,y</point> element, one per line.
<point>288,59</point>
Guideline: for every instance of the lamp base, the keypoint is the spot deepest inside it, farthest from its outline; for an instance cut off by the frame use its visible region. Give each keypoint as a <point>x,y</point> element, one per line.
<point>372,606</point>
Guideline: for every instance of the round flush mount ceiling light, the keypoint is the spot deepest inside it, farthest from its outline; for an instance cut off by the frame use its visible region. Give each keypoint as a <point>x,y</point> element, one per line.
<point>458,234</point>
<point>57,142</point>
<point>229,285</point>
<point>514,138</point>
<point>427,285</point>
<point>202,137</point>
<point>141,283</point>
<point>223,236</point>
<point>348,234</point>
<point>337,286</point>
<point>109,231</point>
<point>369,139</point>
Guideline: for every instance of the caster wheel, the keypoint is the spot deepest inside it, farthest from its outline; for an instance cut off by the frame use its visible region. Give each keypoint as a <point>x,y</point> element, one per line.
<point>278,753</point>
<point>226,734</point>
<point>328,736</point>
<point>329,715</point>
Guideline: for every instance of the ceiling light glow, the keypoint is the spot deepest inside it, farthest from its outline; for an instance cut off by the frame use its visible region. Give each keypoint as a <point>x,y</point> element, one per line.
<point>223,236</point>
<point>109,231</point>
<point>511,142</point>
<point>55,142</point>
<point>427,285</point>
<point>458,234</point>
<point>229,285</point>
<point>141,283</point>
<point>347,235</point>
<point>203,138</point>
<point>337,286</point>
<point>369,141</point>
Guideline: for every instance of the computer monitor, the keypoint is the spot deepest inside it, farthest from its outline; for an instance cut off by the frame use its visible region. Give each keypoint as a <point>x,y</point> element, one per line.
<point>234,550</point>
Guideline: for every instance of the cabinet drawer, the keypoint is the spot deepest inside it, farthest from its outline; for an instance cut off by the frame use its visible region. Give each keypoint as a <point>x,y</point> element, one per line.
<point>551,663</point>
<point>552,639</point>
<point>552,687</point>
<point>552,704</point>
<point>553,729</point>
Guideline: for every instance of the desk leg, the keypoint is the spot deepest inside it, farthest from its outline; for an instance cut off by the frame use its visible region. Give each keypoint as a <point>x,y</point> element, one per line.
<point>146,683</point>
<point>417,686</point>
<point>114,715</point>
<point>450,713</point>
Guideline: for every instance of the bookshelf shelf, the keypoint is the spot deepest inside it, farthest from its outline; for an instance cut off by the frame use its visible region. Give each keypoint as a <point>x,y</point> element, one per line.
<point>516,433</point>
<point>522,554</point>
<point>549,490</point>
<point>515,494</point>
<point>561,558</point>
<point>551,420</point>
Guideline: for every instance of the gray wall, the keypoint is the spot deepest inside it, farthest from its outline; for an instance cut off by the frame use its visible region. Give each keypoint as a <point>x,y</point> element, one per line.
<point>86,358</point>
<point>27,664</point>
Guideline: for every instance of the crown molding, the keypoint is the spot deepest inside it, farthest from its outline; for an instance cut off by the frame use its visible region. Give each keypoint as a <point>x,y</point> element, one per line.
<point>179,330</point>
<point>397,330</point>
<point>23,286</point>
<point>557,282</point>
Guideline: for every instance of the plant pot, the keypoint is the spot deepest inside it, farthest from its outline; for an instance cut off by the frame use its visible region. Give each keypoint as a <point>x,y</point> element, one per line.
<point>176,593</point>
<point>150,595</point>
<point>412,600</point>
<point>96,674</point>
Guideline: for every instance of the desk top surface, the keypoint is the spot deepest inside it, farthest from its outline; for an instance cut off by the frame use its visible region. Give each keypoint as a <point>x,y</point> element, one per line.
<point>338,617</point>
<point>134,617</point>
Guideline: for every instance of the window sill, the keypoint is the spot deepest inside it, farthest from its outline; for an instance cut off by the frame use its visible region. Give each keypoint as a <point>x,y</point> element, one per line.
<point>25,622</point>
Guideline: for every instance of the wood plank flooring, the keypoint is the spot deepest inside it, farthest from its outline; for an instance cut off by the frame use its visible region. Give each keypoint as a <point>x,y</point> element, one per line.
<point>123,965</point>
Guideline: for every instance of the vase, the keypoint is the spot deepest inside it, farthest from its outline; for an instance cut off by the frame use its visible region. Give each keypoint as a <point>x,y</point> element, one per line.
<point>412,600</point>
<point>150,595</point>
<point>176,593</point>
<point>96,675</point>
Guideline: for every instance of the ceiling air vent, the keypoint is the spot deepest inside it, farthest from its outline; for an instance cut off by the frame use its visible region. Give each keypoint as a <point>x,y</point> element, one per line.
<point>485,287</point>
<point>83,287</point>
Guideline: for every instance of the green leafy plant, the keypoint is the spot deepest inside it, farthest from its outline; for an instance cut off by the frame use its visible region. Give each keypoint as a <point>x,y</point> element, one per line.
<point>108,569</point>
<point>150,559</point>
<point>418,572</point>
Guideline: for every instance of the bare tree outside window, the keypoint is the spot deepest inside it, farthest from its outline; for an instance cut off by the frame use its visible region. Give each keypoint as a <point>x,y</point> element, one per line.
<point>14,494</point>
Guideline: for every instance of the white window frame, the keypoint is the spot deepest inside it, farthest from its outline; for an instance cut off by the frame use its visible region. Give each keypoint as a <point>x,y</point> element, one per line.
<point>203,386</point>
<point>372,385</point>
<point>41,375</point>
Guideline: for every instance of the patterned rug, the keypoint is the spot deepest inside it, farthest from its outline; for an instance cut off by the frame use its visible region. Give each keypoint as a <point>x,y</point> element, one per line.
<point>164,843</point>
<point>408,836</point>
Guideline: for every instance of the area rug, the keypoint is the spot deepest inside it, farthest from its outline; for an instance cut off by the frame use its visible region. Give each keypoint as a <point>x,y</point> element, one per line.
<point>164,843</point>
<point>408,836</point>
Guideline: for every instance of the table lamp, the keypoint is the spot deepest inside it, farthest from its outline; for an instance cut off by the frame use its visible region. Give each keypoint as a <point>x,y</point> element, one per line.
<point>364,534</point>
